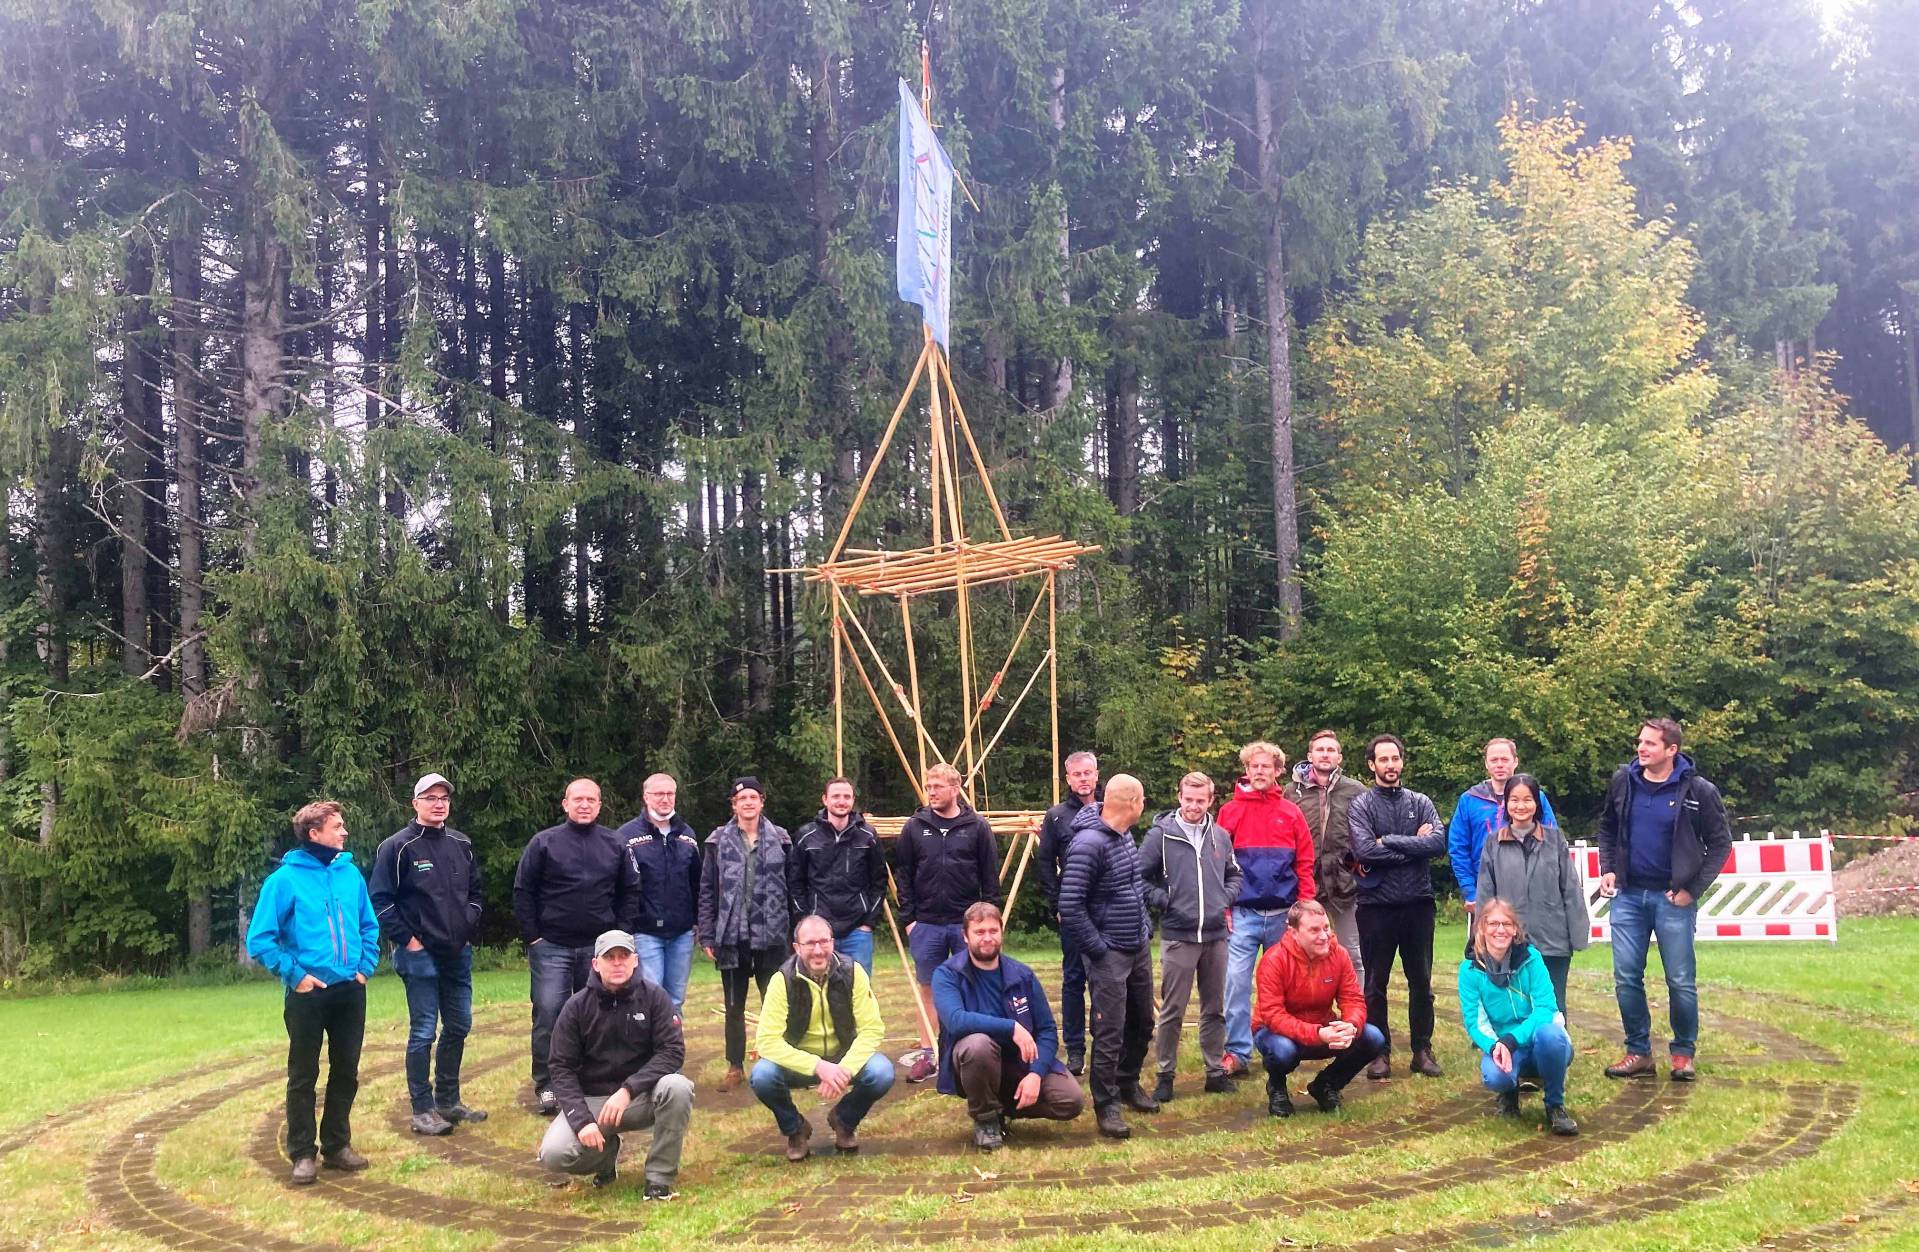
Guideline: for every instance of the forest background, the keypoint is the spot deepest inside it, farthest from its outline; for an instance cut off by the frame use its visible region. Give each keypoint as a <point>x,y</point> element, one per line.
<point>402,385</point>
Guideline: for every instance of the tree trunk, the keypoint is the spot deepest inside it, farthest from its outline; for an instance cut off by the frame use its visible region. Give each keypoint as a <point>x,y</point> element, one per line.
<point>1122,439</point>
<point>1909,323</point>
<point>184,284</point>
<point>1279,347</point>
<point>1056,382</point>
<point>199,922</point>
<point>753,587</point>
<point>139,393</point>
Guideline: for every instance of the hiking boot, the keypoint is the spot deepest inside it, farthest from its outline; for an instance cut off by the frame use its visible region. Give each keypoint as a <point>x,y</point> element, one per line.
<point>987,1134</point>
<point>457,1112</point>
<point>306,1172</point>
<point>548,1105</point>
<point>607,1174</point>
<point>1382,1067</point>
<point>1112,1123</point>
<point>924,1066</point>
<point>1076,1062</point>
<point>1509,1104</point>
<point>1682,1069</point>
<point>735,1076</point>
<point>1561,1121</point>
<point>796,1143</point>
<point>844,1140</point>
<point>1325,1096</point>
<point>1219,1084</point>
<point>660,1191</point>
<point>1138,1097</point>
<point>1632,1065</point>
<point>1424,1062</point>
<point>431,1123</point>
<point>1163,1089</point>
<point>345,1160</point>
<point>1279,1101</point>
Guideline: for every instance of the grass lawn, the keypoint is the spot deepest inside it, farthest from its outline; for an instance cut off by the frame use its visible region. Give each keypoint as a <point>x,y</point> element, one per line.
<point>139,1119</point>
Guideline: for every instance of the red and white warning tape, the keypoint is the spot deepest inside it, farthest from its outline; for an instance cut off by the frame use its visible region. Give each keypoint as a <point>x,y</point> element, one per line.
<point>1853,891</point>
<point>1880,838</point>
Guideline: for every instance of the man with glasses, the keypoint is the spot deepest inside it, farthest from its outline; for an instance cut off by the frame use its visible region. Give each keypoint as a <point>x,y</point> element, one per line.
<point>666,855</point>
<point>426,893</point>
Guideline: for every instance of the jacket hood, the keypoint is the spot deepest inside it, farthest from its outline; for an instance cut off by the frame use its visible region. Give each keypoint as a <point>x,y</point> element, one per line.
<point>927,815</point>
<point>593,983</point>
<point>1303,775</point>
<point>1167,824</point>
<point>853,820</point>
<point>1483,790</point>
<point>1681,767</point>
<point>1519,954</point>
<point>1243,792</point>
<point>300,858</point>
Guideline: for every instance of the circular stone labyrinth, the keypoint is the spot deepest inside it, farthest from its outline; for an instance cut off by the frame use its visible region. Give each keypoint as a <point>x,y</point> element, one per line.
<point>201,1165</point>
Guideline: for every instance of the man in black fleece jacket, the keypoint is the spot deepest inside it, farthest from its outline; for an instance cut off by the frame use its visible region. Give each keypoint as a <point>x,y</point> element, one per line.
<point>839,872</point>
<point>617,1052</point>
<point>575,880</point>
<point>426,894</point>
<point>1101,902</point>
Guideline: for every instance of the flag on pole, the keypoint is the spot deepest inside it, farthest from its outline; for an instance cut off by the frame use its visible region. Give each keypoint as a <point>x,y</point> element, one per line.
<point>923,255</point>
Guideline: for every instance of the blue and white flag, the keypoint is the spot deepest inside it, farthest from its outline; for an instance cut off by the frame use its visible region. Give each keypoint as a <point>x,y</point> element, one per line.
<point>923,255</point>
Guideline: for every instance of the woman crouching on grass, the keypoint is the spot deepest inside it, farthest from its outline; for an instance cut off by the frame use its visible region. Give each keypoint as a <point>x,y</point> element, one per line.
<point>1506,1002</point>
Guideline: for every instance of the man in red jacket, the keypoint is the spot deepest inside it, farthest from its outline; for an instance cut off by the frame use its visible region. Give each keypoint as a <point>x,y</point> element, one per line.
<point>1274,848</point>
<point>1311,1008</point>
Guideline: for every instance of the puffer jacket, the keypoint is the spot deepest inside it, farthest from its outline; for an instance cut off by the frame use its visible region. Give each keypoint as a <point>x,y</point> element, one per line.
<point>1393,856</point>
<point>1328,813</point>
<point>1101,901</point>
<point>1274,847</point>
<point>1192,882</point>
<point>729,923</point>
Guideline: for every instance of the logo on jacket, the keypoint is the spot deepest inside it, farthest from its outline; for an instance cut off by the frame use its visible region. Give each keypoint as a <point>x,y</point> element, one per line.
<point>421,867</point>
<point>639,1017</point>
<point>1019,1004</point>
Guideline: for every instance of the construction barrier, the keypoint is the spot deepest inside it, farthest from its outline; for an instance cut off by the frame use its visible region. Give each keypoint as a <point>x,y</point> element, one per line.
<point>1771,888</point>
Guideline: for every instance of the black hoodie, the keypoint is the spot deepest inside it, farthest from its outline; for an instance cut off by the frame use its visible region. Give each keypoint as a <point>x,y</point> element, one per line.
<point>426,886</point>
<point>605,1040</point>
<point>944,866</point>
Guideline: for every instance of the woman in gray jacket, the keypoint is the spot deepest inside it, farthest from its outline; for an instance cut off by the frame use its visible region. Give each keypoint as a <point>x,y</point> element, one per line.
<point>1527,862</point>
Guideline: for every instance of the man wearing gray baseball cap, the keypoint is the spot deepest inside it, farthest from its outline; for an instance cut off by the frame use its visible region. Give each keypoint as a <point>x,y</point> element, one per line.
<point>615,1062</point>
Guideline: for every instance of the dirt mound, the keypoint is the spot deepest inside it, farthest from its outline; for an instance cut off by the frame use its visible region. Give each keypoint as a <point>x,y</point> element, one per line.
<point>1861,887</point>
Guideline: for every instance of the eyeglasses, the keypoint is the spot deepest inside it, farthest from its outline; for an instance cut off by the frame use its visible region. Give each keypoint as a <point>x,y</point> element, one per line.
<point>1497,926</point>
<point>815,943</point>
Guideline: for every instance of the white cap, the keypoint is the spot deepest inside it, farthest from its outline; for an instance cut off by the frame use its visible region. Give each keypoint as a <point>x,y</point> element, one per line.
<point>431,780</point>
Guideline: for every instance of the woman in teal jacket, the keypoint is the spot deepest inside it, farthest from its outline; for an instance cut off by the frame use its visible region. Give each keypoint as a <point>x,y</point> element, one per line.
<point>1506,1003</point>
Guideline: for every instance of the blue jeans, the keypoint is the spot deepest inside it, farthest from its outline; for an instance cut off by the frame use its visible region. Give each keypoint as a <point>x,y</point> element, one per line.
<point>557,973</point>
<point>774,1084</point>
<point>857,945</point>
<point>668,961</point>
<point>1252,934</point>
<point>1637,915</point>
<point>1072,996</point>
<point>1545,1058</point>
<point>1283,1055</point>
<point>439,991</point>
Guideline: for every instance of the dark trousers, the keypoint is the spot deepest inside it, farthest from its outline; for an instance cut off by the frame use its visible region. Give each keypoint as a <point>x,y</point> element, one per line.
<point>1072,996</point>
<point>557,972</point>
<point>1557,967</point>
<point>1121,984</point>
<point>1283,1055</point>
<point>1405,929</point>
<point>990,1082</point>
<point>339,1013</point>
<point>754,967</point>
<point>439,995</point>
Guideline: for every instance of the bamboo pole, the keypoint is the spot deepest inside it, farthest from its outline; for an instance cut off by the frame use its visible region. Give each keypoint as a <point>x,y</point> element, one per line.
<point>912,983</point>
<point>886,722</point>
<point>839,693</point>
<point>913,675</point>
<point>1052,651</point>
<point>979,462</point>
<point>899,693</point>
<point>1012,897</point>
<point>986,698</point>
<point>1008,719</point>
<point>879,454</point>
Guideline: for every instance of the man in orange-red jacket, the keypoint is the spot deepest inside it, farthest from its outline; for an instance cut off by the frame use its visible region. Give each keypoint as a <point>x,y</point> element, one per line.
<point>1310,1007</point>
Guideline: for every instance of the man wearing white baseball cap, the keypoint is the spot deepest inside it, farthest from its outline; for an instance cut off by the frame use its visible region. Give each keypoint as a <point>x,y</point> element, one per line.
<point>426,895</point>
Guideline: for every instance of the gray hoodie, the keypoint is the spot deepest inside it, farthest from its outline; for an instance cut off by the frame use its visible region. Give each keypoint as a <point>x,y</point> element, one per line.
<point>1191,881</point>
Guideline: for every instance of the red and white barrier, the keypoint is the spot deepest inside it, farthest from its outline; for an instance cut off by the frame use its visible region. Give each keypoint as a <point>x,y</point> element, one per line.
<point>1771,888</point>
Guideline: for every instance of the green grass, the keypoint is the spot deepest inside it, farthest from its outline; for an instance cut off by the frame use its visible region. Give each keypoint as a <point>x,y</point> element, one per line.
<point>118,1051</point>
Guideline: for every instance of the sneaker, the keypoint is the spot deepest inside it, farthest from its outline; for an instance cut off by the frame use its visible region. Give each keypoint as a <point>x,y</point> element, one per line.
<point>1424,1062</point>
<point>987,1134</point>
<point>1682,1069</point>
<point>844,1140</point>
<point>1076,1062</point>
<point>1279,1101</point>
<point>457,1112</point>
<point>735,1076</point>
<point>549,1105</point>
<point>1508,1104</point>
<point>1528,1085</point>
<point>431,1123</point>
<point>1138,1097</point>
<point>659,1191</point>
<point>1561,1121</point>
<point>1231,1065</point>
<point>306,1172</point>
<point>924,1066</point>
<point>1112,1123</point>
<point>1219,1084</point>
<point>608,1174</point>
<point>1163,1089</point>
<point>1324,1096</point>
<point>1632,1065</point>
<point>797,1143</point>
<point>345,1160</point>
<point>1382,1067</point>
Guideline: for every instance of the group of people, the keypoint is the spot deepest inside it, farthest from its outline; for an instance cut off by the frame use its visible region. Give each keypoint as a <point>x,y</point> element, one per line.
<point>1287,910</point>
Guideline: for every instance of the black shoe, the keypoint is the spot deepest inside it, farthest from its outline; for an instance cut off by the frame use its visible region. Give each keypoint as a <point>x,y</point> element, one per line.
<point>660,1191</point>
<point>1509,1104</point>
<point>1220,1084</point>
<point>306,1172</point>
<point>1279,1101</point>
<point>1382,1067</point>
<point>608,1174</point>
<point>1163,1089</point>
<point>1112,1123</point>
<point>1528,1084</point>
<point>1324,1096</point>
<point>1075,1063</point>
<point>549,1105</point>
<point>458,1112</point>
<point>987,1135</point>
<point>1424,1062</point>
<point>1561,1121</point>
<point>346,1160</point>
<point>1137,1097</point>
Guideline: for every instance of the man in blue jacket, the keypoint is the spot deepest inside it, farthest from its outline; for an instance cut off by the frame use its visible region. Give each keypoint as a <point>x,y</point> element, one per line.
<point>426,893</point>
<point>313,925</point>
<point>666,853</point>
<point>998,1045</point>
<point>1477,817</point>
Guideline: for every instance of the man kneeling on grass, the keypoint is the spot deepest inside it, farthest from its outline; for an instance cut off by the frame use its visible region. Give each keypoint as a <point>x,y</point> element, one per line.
<point>615,1063</point>
<point>1301,980</point>
<point>820,1026</point>
<point>998,1045</point>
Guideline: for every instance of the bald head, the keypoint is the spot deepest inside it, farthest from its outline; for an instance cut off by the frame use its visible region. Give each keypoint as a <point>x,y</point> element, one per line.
<point>1125,801</point>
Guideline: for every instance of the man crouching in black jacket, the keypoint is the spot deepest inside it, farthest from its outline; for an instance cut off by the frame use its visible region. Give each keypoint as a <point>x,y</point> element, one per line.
<point>616,1057</point>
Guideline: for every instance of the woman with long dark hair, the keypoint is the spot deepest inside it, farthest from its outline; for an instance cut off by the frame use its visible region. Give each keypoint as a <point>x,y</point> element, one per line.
<point>1528,863</point>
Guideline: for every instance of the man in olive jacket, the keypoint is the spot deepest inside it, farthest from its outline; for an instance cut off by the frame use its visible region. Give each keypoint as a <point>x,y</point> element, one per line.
<point>1325,794</point>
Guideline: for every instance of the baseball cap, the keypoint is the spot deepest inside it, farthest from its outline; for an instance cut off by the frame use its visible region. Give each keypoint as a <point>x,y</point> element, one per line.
<point>611,939</point>
<point>429,781</point>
